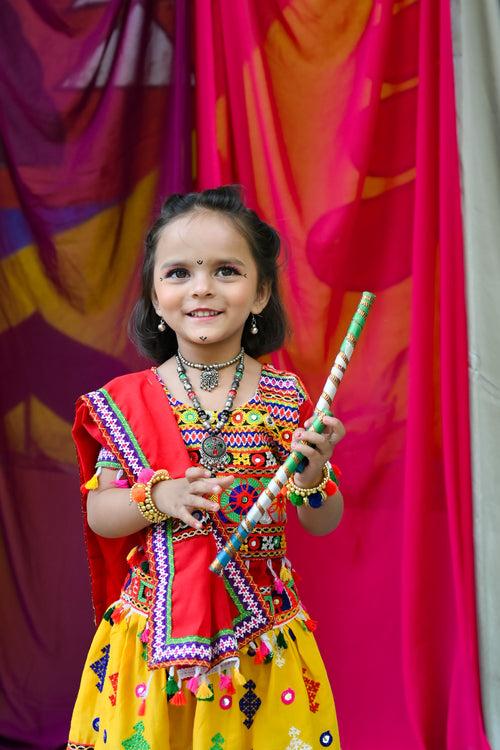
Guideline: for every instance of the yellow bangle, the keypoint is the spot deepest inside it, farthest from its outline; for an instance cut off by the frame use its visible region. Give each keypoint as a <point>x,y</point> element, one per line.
<point>141,494</point>
<point>314,497</point>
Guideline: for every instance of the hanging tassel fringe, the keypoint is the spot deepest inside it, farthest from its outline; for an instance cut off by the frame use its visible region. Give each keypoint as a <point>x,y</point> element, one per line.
<point>203,691</point>
<point>281,640</point>
<point>285,574</point>
<point>179,698</point>
<point>171,687</point>
<point>93,482</point>
<point>193,684</point>
<point>238,677</point>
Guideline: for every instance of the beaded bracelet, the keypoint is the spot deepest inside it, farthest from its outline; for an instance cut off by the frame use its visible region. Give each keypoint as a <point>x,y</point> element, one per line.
<point>314,497</point>
<point>140,493</point>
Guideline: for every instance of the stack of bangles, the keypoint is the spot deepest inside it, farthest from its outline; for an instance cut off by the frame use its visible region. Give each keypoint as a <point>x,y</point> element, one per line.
<point>140,493</point>
<point>314,497</point>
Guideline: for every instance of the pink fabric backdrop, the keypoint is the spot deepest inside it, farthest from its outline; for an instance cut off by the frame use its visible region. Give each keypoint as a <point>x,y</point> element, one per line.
<point>338,118</point>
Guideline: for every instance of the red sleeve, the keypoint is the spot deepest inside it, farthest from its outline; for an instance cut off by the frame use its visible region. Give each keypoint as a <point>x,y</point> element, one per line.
<point>306,406</point>
<point>107,557</point>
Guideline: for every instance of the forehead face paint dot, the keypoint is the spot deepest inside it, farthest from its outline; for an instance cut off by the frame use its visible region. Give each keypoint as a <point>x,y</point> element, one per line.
<point>200,262</point>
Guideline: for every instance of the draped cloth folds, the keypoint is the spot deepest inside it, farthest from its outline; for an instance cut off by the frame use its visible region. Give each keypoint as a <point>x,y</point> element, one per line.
<point>339,121</point>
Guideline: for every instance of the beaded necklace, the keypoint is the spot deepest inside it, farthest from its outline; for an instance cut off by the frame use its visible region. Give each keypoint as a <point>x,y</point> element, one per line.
<point>214,455</point>
<point>210,373</point>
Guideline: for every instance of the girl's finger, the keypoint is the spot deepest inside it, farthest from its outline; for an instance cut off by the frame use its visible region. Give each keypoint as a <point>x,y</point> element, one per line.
<point>203,503</point>
<point>196,472</point>
<point>210,486</point>
<point>313,438</point>
<point>185,516</point>
<point>307,450</point>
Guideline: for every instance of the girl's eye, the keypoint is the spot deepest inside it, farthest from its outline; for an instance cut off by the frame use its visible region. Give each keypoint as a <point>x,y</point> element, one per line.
<point>228,271</point>
<point>176,273</point>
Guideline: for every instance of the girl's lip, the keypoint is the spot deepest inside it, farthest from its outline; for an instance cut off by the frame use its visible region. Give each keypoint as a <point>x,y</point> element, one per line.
<point>204,310</point>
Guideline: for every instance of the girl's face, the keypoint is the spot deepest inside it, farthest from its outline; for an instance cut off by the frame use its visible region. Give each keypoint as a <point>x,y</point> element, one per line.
<point>205,283</point>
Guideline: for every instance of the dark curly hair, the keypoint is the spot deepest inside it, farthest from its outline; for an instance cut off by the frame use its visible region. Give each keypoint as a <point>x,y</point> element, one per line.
<point>264,243</point>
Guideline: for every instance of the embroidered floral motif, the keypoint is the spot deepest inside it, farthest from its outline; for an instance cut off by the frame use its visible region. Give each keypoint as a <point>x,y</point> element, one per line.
<point>218,741</point>
<point>250,703</point>
<point>136,741</point>
<point>296,743</point>
<point>312,688</point>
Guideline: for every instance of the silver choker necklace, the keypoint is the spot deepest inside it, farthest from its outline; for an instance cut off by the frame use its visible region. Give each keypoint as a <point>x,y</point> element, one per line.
<point>210,373</point>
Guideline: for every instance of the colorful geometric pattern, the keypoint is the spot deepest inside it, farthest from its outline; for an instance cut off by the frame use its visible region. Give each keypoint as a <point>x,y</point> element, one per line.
<point>312,688</point>
<point>100,666</point>
<point>106,459</point>
<point>113,424</point>
<point>259,432</point>
<point>250,703</point>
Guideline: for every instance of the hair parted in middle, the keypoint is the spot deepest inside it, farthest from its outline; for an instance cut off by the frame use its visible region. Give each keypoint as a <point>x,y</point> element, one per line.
<point>264,243</point>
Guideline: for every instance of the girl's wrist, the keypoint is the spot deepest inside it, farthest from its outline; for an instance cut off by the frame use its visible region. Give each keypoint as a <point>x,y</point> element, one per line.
<point>306,485</point>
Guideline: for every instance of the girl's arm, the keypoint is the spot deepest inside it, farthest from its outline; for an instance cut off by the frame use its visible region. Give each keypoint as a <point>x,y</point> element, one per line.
<point>318,521</point>
<point>111,514</point>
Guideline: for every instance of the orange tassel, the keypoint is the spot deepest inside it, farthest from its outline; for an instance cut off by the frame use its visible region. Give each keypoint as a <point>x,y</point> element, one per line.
<point>311,624</point>
<point>142,708</point>
<point>179,699</point>
<point>118,614</point>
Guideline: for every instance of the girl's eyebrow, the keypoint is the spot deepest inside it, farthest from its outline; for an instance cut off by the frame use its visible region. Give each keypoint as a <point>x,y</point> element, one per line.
<point>219,262</point>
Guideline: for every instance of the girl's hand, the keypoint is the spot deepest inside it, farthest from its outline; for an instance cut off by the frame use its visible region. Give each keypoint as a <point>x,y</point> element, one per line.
<point>180,497</point>
<point>319,450</point>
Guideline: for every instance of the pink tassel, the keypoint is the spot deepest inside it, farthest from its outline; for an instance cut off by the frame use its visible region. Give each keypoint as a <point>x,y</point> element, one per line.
<point>121,483</point>
<point>224,681</point>
<point>264,649</point>
<point>279,586</point>
<point>145,635</point>
<point>145,475</point>
<point>262,652</point>
<point>193,684</point>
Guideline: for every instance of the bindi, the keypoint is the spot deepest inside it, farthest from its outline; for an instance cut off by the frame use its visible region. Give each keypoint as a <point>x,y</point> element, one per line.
<point>203,338</point>
<point>199,262</point>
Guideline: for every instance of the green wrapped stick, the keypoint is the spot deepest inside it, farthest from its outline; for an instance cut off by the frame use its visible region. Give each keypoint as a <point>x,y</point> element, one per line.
<point>296,461</point>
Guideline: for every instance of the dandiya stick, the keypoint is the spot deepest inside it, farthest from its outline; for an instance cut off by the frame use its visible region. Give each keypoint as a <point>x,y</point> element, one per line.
<point>295,459</point>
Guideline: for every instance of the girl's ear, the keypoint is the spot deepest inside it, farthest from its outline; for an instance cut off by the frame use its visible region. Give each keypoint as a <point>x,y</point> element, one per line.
<point>154,302</point>
<point>261,298</point>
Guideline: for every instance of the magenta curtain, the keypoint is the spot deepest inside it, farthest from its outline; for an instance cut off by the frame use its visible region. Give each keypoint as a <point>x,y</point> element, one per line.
<point>95,129</point>
<point>339,120</point>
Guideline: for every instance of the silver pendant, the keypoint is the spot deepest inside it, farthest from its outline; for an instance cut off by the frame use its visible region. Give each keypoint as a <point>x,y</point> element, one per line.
<point>214,455</point>
<point>214,448</point>
<point>209,379</point>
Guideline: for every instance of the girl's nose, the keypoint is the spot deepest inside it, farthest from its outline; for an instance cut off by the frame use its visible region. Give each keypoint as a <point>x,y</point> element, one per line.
<point>202,285</point>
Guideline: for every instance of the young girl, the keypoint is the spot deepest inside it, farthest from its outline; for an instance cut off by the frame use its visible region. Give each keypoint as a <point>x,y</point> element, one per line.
<point>171,459</point>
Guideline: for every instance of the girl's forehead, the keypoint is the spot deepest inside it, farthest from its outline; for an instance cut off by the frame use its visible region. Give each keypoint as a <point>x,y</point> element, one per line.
<point>204,233</point>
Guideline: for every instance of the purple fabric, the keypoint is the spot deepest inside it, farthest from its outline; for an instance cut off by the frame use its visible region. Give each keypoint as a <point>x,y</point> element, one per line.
<point>95,128</point>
